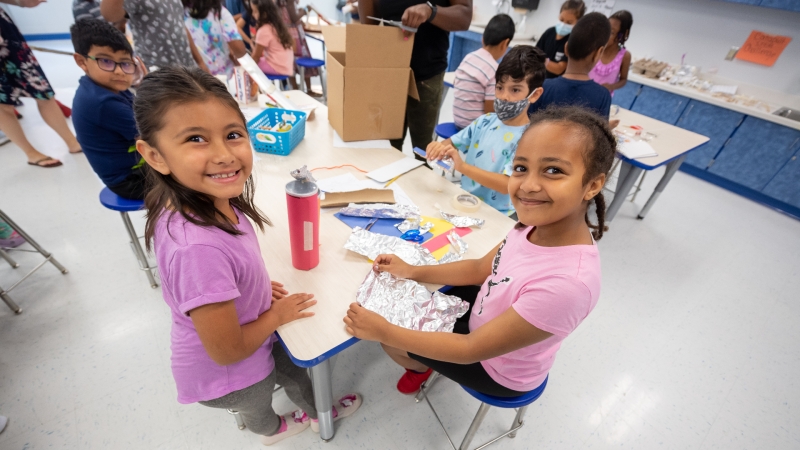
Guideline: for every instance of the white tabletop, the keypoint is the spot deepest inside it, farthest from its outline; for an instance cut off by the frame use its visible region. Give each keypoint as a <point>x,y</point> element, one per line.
<point>669,141</point>
<point>340,272</point>
<point>449,78</point>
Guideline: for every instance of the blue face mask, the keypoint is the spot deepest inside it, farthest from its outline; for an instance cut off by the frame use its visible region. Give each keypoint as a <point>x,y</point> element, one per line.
<point>563,29</point>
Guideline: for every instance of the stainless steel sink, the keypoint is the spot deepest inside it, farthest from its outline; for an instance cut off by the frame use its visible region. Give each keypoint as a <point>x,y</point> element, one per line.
<point>789,113</point>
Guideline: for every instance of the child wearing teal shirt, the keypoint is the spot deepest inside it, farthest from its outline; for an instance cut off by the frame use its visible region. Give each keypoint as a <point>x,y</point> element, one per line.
<point>483,151</point>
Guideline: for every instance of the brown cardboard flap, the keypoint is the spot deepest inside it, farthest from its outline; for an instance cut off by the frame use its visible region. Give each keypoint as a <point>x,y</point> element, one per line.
<point>412,86</point>
<point>377,46</point>
<point>374,103</point>
<point>334,39</point>
<point>362,196</point>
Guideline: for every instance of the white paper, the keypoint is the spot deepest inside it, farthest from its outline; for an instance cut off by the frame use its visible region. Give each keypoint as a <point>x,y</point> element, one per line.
<point>397,168</point>
<point>376,143</point>
<point>250,112</point>
<point>349,183</point>
<point>724,89</point>
<point>636,149</point>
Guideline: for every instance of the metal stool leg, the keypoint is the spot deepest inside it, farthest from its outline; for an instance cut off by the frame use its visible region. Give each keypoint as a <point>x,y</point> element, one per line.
<point>303,79</point>
<point>322,79</point>
<point>426,386</point>
<point>137,249</point>
<point>517,424</point>
<point>473,428</point>
<point>7,299</point>
<point>238,417</point>
<point>32,242</point>
<point>8,259</point>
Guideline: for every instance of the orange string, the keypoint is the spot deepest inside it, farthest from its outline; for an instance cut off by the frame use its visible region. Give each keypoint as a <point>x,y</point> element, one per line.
<point>339,167</point>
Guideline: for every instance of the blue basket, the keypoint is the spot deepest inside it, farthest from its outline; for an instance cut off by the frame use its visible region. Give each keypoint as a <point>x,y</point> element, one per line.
<point>276,142</point>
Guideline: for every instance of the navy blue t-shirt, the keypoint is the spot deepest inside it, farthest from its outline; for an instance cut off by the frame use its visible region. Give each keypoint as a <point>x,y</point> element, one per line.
<point>106,130</point>
<point>563,91</point>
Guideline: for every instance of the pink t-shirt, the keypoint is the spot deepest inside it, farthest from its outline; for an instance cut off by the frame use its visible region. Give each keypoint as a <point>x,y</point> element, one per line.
<point>279,58</point>
<point>553,288</point>
<point>203,265</point>
<point>608,73</point>
<point>474,84</point>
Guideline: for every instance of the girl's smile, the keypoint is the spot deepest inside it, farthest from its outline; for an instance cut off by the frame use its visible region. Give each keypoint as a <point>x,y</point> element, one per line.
<point>228,177</point>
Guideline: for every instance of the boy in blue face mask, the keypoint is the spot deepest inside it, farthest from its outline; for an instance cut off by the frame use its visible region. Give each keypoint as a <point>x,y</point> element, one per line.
<point>552,41</point>
<point>483,151</point>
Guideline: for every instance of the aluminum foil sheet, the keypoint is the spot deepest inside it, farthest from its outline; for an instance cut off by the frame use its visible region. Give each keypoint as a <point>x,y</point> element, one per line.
<point>381,211</point>
<point>457,249</point>
<point>413,224</point>
<point>462,221</point>
<point>371,245</point>
<point>409,304</point>
<point>302,174</point>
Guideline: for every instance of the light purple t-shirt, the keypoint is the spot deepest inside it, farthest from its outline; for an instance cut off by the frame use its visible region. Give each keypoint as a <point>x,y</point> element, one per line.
<point>553,288</point>
<point>204,265</point>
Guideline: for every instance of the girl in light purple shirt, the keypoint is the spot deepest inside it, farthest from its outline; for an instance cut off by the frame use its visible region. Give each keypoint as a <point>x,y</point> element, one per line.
<point>225,309</point>
<point>536,286</point>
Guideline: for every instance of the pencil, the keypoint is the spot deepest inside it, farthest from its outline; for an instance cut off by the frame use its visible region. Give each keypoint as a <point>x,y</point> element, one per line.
<point>392,180</point>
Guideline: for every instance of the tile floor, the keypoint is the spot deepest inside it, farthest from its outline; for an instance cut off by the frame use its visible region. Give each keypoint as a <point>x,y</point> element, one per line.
<point>693,345</point>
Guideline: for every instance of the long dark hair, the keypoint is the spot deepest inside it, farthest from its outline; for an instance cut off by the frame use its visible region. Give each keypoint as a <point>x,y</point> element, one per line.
<point>268,14</point>
<point>199,9</point>
<point>625,23</point>
<point>601,146</point>
<point>160,91</point>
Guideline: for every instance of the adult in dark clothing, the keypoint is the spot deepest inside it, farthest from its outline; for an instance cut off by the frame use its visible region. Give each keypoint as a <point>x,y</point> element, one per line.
<point>434,20</point>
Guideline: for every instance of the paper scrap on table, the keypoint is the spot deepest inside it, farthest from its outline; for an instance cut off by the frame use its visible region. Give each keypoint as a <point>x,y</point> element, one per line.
<point>250,112</point>
<point>724,89</point>
<point>636,149</point>
<point>348,183</point>
<point>395,169</point>
<point>376,143</point>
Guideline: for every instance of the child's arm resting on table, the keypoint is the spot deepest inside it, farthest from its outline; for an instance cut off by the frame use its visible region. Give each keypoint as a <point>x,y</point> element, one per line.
<point>227,342</point>
<point>445,149</point>
<point>505,333</point>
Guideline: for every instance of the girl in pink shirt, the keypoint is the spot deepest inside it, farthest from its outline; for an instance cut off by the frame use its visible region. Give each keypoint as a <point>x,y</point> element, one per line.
<point>538,284</point>
<point>611,71</point>
<point>225,309</point>
<point>273,43</point>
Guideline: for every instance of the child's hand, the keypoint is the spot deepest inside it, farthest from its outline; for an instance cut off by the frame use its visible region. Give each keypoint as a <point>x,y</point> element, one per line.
<point>292,307</point>
<point>452,153</point>
<point>364,324</point>
<point>436,150</point>
<point>394,265</point>
<point>278,292</point>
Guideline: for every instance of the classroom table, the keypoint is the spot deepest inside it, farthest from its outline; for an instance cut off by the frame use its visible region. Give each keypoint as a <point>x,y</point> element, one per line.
<point>670,142</point>
<point>311,342</point>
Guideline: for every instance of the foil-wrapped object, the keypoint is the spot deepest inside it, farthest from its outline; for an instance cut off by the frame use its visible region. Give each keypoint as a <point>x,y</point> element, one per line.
<point>413,224</point>
<point>302,174</point>
<point>409,304</point>
<point>381,211</point>
<point>462,221</point>
<point>457,248</point>
<point>371,245</point>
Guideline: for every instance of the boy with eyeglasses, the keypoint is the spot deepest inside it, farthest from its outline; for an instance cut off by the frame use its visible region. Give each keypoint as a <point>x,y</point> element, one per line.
<point>102,110</point>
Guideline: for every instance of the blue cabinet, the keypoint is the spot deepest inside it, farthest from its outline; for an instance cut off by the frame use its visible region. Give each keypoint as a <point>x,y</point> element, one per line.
<point>660,105</point>
<point>786,184</point>
<point>461,44</point>
<point>788,5</point>
<point>746,2</point>
<point>756,152</point>
<point>625,96</point>
<point>712,121</point>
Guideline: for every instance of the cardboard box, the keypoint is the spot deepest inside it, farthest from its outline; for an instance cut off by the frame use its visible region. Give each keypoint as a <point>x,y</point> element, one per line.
<point>369,80</point>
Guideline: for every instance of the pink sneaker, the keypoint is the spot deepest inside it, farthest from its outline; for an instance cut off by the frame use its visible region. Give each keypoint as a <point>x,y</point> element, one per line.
<point>290,426</point>
<point>347,406</point>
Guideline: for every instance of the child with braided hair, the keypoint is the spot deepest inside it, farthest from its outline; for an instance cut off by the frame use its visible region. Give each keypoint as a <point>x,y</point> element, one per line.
<point>537,285</point>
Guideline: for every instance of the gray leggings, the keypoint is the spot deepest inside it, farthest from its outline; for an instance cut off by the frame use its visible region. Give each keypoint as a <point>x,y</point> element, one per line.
<point>254,403</point>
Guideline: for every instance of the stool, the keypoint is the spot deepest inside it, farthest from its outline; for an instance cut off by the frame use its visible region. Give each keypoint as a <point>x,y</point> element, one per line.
<point>446,129</point>
<point>37,249</point>
<point>123,205</point>
<point>519,403</point>
<point>310,63</point>
<point>281,79</point>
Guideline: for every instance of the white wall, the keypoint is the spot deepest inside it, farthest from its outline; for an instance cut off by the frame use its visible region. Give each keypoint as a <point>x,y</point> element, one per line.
<point>54,16</point>
<point>704,30</point>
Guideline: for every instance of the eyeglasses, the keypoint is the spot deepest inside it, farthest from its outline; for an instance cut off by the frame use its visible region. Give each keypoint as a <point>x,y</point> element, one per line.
<point>109,65</point>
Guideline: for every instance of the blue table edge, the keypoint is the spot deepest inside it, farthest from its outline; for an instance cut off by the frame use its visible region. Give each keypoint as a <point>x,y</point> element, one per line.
<point>308,363</point>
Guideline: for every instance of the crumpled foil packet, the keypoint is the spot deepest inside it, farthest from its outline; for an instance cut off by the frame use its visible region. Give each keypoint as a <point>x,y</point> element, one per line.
<point>409,304</point>
<point>414,224</point>
<point>462,221</point>
<point>457,248</point>
<point>381,211</point>
<point>371,245</point>
<point>302,174</point>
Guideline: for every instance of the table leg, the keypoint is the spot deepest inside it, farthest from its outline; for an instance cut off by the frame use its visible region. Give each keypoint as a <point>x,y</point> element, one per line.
<point>323,398</point>
<point>672,167</point>
<point>627,177</point>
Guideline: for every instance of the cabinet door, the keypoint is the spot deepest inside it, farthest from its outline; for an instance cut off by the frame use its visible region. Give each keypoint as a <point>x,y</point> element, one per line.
<point>624,97</point>
<point>462,43</point>
<point>789,5</point>
<point>660,105</point>
<point>755,153</point>
<point>718,124</point>
<point>746,2</point>
<point>786,184</point>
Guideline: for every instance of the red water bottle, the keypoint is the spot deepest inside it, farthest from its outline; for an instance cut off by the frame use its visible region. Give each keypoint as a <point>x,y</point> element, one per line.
<point>302,200</point>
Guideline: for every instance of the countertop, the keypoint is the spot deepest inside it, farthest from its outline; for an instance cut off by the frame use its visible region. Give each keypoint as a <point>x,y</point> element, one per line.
<point>769,98</point>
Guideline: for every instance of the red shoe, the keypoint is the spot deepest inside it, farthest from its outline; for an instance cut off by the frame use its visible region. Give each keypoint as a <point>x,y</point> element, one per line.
<point>64,109</point>
<point>411,381</point>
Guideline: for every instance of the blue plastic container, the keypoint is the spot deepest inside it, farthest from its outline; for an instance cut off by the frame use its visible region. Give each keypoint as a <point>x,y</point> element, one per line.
<point>276,142</point>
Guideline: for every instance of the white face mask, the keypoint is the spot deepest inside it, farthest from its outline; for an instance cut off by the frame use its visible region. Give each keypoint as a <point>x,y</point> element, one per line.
<point>563,29</point>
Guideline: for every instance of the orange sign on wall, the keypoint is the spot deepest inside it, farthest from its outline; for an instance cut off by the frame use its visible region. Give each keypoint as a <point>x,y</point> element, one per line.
<point>762,48</point>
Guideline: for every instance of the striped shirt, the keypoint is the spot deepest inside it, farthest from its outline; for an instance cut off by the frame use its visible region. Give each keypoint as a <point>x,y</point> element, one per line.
<point>474,84</point>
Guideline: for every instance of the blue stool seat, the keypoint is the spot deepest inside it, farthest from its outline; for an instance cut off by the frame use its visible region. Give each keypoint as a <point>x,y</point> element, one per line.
<point>309,62</point>
<point>509,402</point>
<point>113,201</point>
<point>446,130</point>
<point>277,77</point>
